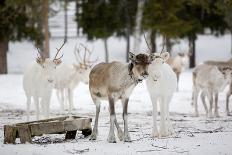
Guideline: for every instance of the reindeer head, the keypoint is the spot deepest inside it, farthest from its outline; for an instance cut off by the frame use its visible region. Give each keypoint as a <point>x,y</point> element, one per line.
<point>226,72</point>
<point>139,66</point>
<point>184,58</point>
<point>159,58</point>
<point>84,65</point>
<point>49,66</point>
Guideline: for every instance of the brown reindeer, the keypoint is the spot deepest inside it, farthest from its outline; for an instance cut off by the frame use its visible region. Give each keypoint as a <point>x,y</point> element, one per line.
<point>114,81</point>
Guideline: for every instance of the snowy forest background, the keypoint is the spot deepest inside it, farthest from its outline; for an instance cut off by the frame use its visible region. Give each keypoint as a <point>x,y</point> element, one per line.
<point>186,25</point>
<point>112,28</point>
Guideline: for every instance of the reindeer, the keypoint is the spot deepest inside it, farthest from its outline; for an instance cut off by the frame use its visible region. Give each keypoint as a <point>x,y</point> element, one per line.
<point>229,93</point>
<point>38,82</point>
<point>69,76</point>
<point>210,80</point>
<point>161,85</point>
<point>178,64</point>
<point>114,81</point>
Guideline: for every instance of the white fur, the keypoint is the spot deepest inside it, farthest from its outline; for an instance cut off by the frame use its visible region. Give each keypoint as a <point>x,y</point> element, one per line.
<point>37,84</point>
<point>210,81</point>
<point>179,63</point>
<point>67,78</point>
<point>161,84</point>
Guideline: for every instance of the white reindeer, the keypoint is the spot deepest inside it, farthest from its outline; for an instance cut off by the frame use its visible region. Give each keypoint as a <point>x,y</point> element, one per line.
<point>69,76</point>
<point>209,80</point>
<point>161,84</point>
<point>179,63</point>
<point>116,81</point>
<point>38,83</point>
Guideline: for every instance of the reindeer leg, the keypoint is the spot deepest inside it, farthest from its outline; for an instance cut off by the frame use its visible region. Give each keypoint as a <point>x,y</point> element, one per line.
<point>70,98</point>
<point>170,128</point>
<point>95,128</point>
<point>125,117</point>
<point>228,99</point>
<point>155,132</point>
<point>46,105</point>
<point>111,136</point>
<point>210,97</point>
<point>178,77</point>
<point>195,98</point>
<point>28,106</point>
<point>163,113</point>
<point>60,97</point>
<point>36,101</point>
<point>203,96</point>
<point>216,114</point>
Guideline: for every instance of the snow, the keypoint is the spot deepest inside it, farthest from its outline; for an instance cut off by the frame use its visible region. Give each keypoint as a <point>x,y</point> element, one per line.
<point>193,135</point>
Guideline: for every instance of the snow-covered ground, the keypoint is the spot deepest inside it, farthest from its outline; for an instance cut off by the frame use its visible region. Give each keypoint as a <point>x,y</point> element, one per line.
<point>194,135</point>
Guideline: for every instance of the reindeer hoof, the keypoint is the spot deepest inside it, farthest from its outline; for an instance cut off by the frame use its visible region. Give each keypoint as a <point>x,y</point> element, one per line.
<point>120,135</point>
<point>164,133</point>
<point>217,115</point>
<point>127,138</point>
<point>93,136</point>
<point>154,134</point>
<point>111,139</point>
<point>196,115</point>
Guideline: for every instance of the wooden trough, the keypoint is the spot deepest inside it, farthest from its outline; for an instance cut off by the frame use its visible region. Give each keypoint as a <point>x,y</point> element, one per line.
<point>59,125</point>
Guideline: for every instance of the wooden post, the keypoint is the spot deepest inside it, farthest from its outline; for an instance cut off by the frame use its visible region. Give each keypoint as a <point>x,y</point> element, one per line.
<point>24,134</point>
<point>9,134</point>
<point>71,134</point>
<point>86,132</point>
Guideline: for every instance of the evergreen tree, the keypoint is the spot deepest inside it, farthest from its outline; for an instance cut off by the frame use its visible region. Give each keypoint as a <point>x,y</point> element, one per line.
<point>18,20</point>
<point>99,20</point>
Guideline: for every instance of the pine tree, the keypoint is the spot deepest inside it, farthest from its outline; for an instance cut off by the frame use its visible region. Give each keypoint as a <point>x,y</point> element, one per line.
<point>18,20</point>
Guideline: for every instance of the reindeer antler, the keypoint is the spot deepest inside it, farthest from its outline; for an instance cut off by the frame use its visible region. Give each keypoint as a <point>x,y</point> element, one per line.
<point>58,50</point>
<point>85,61</point>
<point>164,42</point>
<point>40,54</point>
<point>147,42</point>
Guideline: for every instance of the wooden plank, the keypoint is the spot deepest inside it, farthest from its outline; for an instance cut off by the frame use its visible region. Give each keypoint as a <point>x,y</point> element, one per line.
<point>77,124</point>
<point>56,119</point>
<point>71,134</point>
<point>24,134</point>
<point>46,128</point>
<point>10,133</point>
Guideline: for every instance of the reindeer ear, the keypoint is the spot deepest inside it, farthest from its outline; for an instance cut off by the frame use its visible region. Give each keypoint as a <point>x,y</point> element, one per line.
<point>57,61</point>
<point>165,56</point>
<point>132,56</point>
<point>40,61</point>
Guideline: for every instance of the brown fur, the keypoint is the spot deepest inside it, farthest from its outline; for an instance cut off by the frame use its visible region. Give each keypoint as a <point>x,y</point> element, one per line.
<point>113,81</point>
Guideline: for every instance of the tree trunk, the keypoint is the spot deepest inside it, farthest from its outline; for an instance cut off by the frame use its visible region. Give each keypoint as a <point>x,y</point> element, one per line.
<point>193,52</point>
<point>65,20</point>
<point>127,46</point>
<point>77,13</point>
<point>153,41</point>
<point>231,41</point>
<point>128,32</point>
<point>45,28</point>
<point>168,45</point>
<point>138,21</point>
<point>106,51</point>
<point>3,57</point>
